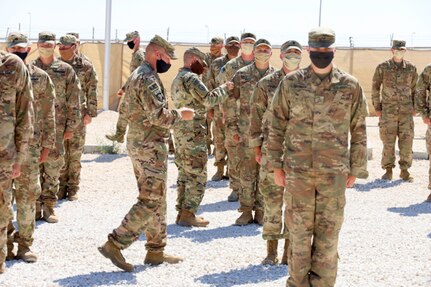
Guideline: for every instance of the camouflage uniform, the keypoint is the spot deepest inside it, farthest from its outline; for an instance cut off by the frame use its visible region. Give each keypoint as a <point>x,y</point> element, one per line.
<point>16,121</point>
<point>76,35</point>
<point>71,171</point>
<point>393,94</point>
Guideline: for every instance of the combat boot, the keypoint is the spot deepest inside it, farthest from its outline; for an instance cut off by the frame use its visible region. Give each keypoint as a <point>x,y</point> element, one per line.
<point>388,174</point>
<point>2,268</point>
<point>38,213</point>
<point>117,137</point>
<point>245,218</point>
<point>405,175</point>
<point>219,174</point>
<point>62,192</point>
<point>226,176</point>
<point>429,198</point>
<point>178,217</point>
<point>271,253</point>
<point>48,213</point>
<point>113,253</point>
<point>258,217</point>
<point>72,195</point>
<point>285,258</point>
<point>26,254</point>
<point>233,196</point>
<point>190,219</point>
<point>158,257</point>
<point>10,255</point>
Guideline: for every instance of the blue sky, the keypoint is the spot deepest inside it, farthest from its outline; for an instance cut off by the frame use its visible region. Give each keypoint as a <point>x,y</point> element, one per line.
<point>370,22</point>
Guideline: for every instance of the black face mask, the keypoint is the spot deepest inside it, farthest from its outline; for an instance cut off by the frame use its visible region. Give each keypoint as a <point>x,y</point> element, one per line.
<point>162,66</point>
<point>21,55</point>
<point>197,68</point>
<point>131,45</point>
<point>321,59</point>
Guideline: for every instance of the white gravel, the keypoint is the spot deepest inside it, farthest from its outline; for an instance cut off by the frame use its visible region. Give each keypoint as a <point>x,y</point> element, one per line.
<point>385,239</point>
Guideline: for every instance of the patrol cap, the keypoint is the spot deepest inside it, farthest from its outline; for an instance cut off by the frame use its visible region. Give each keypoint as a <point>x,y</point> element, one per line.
<point>195,51</point>
<point>159,41</point>
<point>46,37</point>
<point>131,35</point>
<point>232,40</point>
<point>68,40</point>
<point>291,44</point>
<point>248,36</point>
<point>75,34</point>
<point>216,40</point>
<point>321,37</point>
<point>17,39</point>
<point>399,44</point>
<point>262,42</point>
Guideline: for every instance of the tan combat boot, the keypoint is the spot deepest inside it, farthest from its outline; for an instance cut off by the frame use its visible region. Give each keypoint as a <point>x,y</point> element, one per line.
<point>258,217</point>
<point>178,217</point>
<point>156,258</point>
<point>285,258</point>
<point>405,175</point>
<point>233,196</point>
<point>271,253</point>
<point>38,214</point>
<point>62,192</point>
<point>72,195</point>
<point>26,254</point>
<point>219,174</point>
<point>10,255</point>
<point>2,268</point>
<point>388,174</point>
<point>113,253</point>
<point>245,218</point>
<point>48,213</point>
<point>190,219</point>
<point>117,137</point>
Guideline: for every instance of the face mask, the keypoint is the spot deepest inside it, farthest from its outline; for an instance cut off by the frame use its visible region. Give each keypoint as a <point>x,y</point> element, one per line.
<point>215,50</point>
<point>262,57</point>
<point>21,55</point>
<point>321,59</point>
<point>46,52</point>
<point>291,61</point>
<point>67,54</point>
<point>399,54</point>
<point>131,45</point>
<point>247,49</point>
<point>197,68</point>
<point>232,50</point>
<point>162,66</point>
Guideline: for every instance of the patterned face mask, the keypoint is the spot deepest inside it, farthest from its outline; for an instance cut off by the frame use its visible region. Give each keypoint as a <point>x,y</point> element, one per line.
<point>46,52</point>
<point>399,54</point>
<point>262,57</point>
<point>291,61</point>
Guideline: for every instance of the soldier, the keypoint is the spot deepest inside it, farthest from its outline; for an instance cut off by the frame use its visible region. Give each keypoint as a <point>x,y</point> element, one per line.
<point>16,123</point>
<point>27,185</point>
<point>226,74</point>
<point>273,229</point>
<point>150,121</point>
<point>313,111</point>
<point>393,94</point>
<point>71,171</point>
<point>67,121</point>
<point>423,107</point>
<point>138,58</point>
<point>232,47</point>
<point>78,45</point>
<point>237,111</point>
<point>191,150</point>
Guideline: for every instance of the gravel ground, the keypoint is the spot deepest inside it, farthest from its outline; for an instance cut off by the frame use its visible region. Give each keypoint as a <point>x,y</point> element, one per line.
<point>385,239</point>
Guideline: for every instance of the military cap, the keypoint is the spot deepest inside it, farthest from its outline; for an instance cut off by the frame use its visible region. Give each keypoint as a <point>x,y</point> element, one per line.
<point>131,35</point>
<point>247,35</point>
<point>195,51</point>
<point>159,41</point>
<point>321,37</point>
<point>216,40</point>
<point>291,44</point>
<point>398,44</point>
<point>46,37</point>
<point>262,42</point>
<point>17,39</point>
<point>232,40</point>
<point>74,34</point>
<point>67,40</point>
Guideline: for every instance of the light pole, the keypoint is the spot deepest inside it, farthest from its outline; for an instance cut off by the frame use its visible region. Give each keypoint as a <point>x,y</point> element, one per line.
<point>320,12</point>
<point>29,25</point>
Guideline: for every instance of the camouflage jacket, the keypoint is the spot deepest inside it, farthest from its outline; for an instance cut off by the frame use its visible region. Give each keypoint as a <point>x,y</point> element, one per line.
<point>423,90</point>
<point>148,114</point>
<point>259,113</point>
<point>189,91</point>
<point>228,70</point>
<point>138,58</point>
<point>44,108</point>
<point>393,89</point>
<point>214,70</point>
<point>209,59</point>
<point>311,121</point>
<point>16,109</point>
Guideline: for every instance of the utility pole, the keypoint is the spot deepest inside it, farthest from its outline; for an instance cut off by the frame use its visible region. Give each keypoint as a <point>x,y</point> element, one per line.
<point>320,12</point>
<point>93,34</point>
<point>167,34</point>
<point>29,25</point>
<point>107,61</point>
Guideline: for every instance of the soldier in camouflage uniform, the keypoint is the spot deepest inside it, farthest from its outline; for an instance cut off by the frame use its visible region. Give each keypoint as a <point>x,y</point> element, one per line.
<point>27,185</point>
<point>78,45</point>
<point>226,74</point>
<point>191,150</point>
<point>67,120</point>
<point>393,92</point>
<point>232,47</point>
<point>273,229</point>
<point>423,107</point>
<point>237,110</point>
<point>150,121</point>
<point>71,171</point>
<point>313,111</point>
<point>16,121</point>
<point>138,57</point>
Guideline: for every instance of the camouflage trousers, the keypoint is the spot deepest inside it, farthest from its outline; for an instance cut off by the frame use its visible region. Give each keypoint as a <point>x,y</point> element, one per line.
<point>122,121</point>
<point>6,212</point>
<point>391,127</point>
<point>209,137</point>
<point>428,145</point>
<point>233,160</point>
<point>249,197</point>
<point>315,212</point>
<point>274,227</point>
<point>219,138</point>
<point>191,160</point>
<point>71,171</point>
<point>26,190</point>
<point>148,215</point>
<point>49,176</point>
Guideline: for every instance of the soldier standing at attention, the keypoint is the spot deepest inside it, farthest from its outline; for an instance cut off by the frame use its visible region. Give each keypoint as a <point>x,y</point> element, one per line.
<point>78,44</point>
<point>393,93</point>
<point>312,112</point>
<point>150,121</point>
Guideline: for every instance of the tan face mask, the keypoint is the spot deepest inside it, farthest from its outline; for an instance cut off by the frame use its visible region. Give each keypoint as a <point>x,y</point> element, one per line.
<point>399,54</point>
<point>291,61</point>
<point>262,57</point>
<point>67,54</point>
<point>247,49</point>
<point>46,52</point>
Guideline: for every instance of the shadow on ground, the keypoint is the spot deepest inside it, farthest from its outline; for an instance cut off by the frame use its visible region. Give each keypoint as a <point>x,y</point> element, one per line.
<point>104,158</point>
<point>377,183</point>
<point>252,274</point>
<point>219,206</point>
<point>99,279</point>
<point>412,210</point>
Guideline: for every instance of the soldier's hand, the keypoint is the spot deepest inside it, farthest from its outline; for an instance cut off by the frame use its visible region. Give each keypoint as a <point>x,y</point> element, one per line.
<point>68,135</point>
<point>230,85</point>
<point>258,155</point>
<point>16,170</point>
<point>236,138</point>
<point>186,114</point>
<point>43,155</point>
<point>120,93</point>
<point>379,114</point>
<point>427,121</point>
<point>87,120</point>
<point>350,181</point>
<point>279,177</point>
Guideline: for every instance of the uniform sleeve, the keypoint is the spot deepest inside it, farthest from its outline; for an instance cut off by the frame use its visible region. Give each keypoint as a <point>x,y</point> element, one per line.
<point>279,115</point>
<point>91,91</point>
<point>413,85</point>
<point>231,105</point>
<point>73,101</point>
<point>211,82</point>
<point>375,89</point>
<point>47,110</point>
<point>258,106</point>
<point>200,92</point>
<point>358,133</point>
<point>422,93</point>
